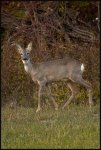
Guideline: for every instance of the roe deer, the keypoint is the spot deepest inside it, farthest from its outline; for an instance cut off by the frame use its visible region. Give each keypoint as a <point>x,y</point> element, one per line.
<point>56,70</point>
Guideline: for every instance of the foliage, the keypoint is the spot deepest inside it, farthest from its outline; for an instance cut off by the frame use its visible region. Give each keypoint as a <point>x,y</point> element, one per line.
<point>56,30</point>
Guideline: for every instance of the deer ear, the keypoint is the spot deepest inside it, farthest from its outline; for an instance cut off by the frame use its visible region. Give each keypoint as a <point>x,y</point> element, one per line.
<point>29,47</point>
<point>20,50</point>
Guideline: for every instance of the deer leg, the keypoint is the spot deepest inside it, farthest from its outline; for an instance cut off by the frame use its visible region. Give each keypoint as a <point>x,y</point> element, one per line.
<point>39,96</point>
<point>71,97</point>
<point>89,89</point>
<point>87,85</point>
<point>54,102</point>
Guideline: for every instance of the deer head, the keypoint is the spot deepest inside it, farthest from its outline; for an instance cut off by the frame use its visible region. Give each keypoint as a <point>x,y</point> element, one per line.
<point>24,52</point>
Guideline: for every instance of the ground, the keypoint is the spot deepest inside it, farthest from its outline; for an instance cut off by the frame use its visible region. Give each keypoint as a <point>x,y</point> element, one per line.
<point>75,127</point>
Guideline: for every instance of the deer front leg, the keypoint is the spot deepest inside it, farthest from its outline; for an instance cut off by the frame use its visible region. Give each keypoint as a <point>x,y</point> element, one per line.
<point>39,96</point>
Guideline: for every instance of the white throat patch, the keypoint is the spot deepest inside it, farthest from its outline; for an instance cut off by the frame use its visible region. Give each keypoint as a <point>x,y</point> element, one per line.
<point>26,68</point>
<point>82,67</point>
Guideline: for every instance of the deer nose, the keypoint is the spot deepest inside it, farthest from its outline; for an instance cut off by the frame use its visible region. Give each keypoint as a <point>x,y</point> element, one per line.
<point>25,59</point>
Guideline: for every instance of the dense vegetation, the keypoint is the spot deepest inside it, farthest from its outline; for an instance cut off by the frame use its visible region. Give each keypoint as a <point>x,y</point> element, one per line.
<point>56,28</point>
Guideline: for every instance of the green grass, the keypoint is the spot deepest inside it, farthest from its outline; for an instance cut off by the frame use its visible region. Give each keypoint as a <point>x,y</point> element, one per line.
<point>77,127</point>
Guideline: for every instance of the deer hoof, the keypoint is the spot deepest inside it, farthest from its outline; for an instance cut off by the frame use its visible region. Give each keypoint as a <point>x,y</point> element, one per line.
<point>38,110</point>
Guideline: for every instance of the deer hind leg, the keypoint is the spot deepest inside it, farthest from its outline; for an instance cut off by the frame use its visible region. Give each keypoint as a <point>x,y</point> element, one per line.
<point>70,85</point>
<point>54,102</point>
<point>88,86</point>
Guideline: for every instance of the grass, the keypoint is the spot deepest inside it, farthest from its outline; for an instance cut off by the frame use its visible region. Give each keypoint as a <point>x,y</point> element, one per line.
<point>74,128</point>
